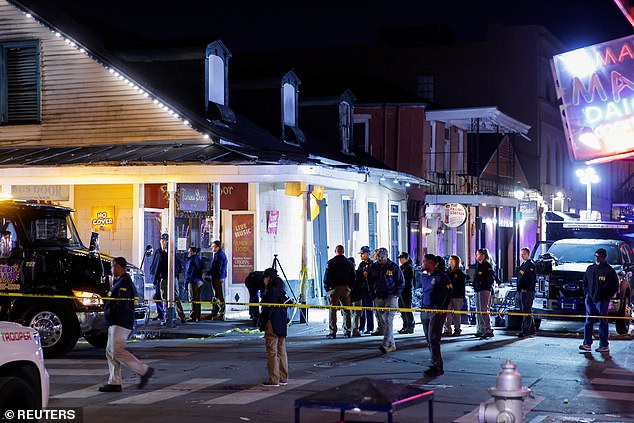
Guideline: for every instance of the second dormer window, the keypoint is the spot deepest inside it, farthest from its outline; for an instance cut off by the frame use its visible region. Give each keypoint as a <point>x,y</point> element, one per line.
<point>216,83</point>
<point>289,96</point>
<point>345,126</point>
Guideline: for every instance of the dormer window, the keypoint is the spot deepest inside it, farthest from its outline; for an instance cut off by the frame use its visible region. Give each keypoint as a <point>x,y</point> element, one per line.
<point>346,110</point>
<point>290,130</point>
<point>289,100</point>
<point>217,83</point>
<point>345,126</point>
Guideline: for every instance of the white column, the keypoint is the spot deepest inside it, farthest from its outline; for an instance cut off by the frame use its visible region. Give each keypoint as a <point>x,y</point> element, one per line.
<point>216,207</point>
<point>171,253</point>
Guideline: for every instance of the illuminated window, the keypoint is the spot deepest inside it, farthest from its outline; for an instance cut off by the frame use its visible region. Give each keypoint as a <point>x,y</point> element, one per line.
<point>19,82</point>
<point>290,104</point>
<point>216,67</point>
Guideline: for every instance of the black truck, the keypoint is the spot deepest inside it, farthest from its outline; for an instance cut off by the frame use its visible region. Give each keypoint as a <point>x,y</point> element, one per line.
<point>561,262</point>
<point>52,282</point>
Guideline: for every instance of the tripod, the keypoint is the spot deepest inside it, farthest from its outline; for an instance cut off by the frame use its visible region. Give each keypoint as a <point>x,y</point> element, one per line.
<point>302,312</point>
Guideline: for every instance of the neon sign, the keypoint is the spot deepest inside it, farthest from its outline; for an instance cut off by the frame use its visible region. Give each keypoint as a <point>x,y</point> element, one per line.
<point>596,87</point>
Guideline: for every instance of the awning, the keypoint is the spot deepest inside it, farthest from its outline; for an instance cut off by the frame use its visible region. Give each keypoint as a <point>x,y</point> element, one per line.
<point>480,119</point>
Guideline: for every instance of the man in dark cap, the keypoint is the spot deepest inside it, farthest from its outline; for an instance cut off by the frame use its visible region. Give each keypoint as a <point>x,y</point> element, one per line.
<point>600,283</point>
<point>159,270</point>
<point>405,300</point>
<point>338,281</point>
<point>218,274</point>
<point>365,318</point>
<point>386,285</point>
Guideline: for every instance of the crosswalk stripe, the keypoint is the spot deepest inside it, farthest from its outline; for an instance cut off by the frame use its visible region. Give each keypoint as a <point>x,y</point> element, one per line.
<point>613,382</point>
<point>612,395</point>
<point>72,371</point>
<point>78,372</point>
<point>171,391</point>
<point>55,361</point>
<point>88,392</point>
<point>257,393</point>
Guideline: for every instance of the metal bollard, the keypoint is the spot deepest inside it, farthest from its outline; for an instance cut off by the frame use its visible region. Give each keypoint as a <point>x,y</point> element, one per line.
<point>508,397</point>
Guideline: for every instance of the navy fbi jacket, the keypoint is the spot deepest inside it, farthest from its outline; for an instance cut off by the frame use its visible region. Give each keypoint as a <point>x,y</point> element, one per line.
<point>483,280</point>
<point>600,282</point>
<point>121,312</point>
<point>385,280</point>
<point>437,290</point>
<point>526,276</point>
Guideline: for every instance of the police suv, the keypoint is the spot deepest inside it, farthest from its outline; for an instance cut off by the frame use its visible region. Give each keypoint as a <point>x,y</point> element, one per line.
<point>24,381</point>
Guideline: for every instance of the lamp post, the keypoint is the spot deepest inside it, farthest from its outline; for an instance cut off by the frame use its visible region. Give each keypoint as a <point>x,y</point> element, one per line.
<point>588,177</point>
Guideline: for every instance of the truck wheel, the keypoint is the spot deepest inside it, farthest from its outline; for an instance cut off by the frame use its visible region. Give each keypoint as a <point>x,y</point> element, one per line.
<point>623,325</point>
<point>16,394</point>
<point>538,323</point>
<point>58,328</point>
<point>98,341</point>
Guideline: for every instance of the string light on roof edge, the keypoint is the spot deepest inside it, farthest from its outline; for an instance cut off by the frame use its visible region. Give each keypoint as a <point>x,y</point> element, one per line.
<point>111,70</point>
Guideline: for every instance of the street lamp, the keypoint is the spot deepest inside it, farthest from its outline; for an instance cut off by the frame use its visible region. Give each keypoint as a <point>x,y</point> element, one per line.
<point>588,176</point>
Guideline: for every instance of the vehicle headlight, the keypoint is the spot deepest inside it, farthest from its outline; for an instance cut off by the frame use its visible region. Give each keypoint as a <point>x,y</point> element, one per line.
<point>88,298</point>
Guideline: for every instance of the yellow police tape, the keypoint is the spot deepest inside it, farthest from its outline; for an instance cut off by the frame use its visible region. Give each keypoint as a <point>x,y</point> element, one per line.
<point>335,307</point>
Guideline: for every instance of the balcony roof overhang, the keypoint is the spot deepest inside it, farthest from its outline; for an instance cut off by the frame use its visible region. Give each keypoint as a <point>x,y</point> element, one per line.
<point>480,120</point>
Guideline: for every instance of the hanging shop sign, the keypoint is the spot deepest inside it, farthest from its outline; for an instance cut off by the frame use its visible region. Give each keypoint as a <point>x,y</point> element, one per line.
<point>596,88</point>
<point>102,218</point>
<point>193,197</point>
<point>453,214</point>
<point>242,246</point>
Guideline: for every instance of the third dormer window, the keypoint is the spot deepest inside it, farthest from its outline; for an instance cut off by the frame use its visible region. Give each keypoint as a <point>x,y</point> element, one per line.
<point>216,83</point>
<point>216,69</point>
<point>345,126</point>
<point>289,95</point>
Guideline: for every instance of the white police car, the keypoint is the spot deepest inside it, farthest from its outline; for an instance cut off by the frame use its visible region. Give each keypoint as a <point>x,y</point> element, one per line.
<point>24,381</point>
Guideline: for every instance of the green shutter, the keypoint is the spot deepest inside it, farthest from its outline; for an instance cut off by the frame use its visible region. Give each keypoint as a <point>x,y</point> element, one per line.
<point>22,85</point>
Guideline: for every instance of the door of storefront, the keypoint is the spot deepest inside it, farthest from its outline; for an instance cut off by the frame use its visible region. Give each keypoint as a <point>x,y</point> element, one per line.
<point>320,237</point>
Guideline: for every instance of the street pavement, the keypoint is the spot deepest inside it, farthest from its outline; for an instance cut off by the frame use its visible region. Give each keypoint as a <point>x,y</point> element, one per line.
<point>212,371</point>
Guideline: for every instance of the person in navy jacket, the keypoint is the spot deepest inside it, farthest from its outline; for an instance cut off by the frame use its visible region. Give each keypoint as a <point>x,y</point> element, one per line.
<point>194,281</point>
<point>437,293</point>
<point>218,274</point>
<point>119,315</point>
<point>386,283</point>
<point>526,281</point>
<point>273,322</point>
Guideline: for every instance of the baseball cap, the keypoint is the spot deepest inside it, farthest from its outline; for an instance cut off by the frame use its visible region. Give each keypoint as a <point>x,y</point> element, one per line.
<point>601,252</point>
<point>165,237</point>
<point>382,252</point>
<point>403,255</point>
<point>365,249</point>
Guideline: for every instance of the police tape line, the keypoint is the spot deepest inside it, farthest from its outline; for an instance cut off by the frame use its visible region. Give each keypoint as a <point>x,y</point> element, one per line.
<point>329,307</point>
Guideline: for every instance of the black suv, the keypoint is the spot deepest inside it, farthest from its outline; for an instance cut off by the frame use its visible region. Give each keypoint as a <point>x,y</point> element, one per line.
<point>50,281</point>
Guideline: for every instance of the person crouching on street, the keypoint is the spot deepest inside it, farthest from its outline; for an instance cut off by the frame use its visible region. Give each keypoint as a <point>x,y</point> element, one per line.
<point>119,315</point>
<point>273,321</point>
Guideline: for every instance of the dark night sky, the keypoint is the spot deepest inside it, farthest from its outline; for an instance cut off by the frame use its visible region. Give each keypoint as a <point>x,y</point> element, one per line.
<point>272,24</point>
